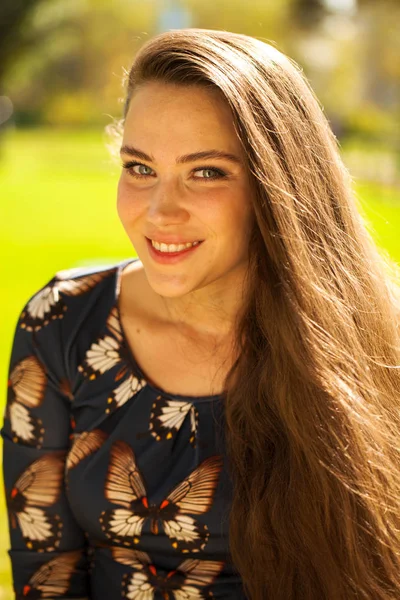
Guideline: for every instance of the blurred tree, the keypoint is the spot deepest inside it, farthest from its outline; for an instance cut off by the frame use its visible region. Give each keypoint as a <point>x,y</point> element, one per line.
<point>75,73</point>
<point>14,36</point>
<point>266,20</point>
<point>83,47</point>
<point>172,15</point>
<point>308,13</point>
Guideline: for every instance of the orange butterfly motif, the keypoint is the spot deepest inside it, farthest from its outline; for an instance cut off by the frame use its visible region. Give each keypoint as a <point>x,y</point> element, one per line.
<point>52,579</point>
<point>107,352</point>
<point>84,444</point>
<point>48,304</point>
<point>167,417</point>
<point>26,386</point>
<point>39,486</point>
<point>187,582</point>
<point>193,496</point>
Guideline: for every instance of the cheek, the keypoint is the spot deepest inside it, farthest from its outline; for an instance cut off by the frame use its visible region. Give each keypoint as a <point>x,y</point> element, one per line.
<point>240,217</point>
<point>127,206</point>
<point>121,207</point>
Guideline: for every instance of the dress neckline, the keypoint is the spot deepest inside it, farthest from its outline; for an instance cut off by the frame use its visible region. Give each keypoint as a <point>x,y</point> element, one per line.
<point>158,391</point>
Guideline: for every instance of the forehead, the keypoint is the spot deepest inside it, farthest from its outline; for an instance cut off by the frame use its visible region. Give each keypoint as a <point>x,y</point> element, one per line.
<point>180,111</point>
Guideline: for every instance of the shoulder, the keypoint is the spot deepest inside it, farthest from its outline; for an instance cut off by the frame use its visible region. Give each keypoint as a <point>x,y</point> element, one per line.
<point>63,317</point>
<point>68,292</point>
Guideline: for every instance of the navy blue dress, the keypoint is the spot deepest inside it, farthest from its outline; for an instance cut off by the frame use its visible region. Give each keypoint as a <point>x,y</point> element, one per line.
<point>115,488</point>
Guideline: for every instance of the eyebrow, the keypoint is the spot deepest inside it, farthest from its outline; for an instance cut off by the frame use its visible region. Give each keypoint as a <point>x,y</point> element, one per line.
<point>185,158</point>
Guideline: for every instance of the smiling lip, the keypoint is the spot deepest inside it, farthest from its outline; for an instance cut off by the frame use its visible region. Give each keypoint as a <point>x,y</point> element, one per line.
<point>171,240</point>
<point>170,258</point>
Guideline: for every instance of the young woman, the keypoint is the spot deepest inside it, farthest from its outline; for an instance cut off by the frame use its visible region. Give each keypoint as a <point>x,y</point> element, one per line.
<point>219,419</point>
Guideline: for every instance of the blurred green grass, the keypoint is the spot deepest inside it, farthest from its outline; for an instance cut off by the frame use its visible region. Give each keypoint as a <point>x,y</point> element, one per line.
<point>58,210</point>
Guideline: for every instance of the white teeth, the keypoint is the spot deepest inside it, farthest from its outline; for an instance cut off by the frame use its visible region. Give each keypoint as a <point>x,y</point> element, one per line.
<point>172,247</point>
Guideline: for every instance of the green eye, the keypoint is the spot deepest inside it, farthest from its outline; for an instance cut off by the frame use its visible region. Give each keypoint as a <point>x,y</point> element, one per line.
<point>130,166</point>
<point>218,171</point>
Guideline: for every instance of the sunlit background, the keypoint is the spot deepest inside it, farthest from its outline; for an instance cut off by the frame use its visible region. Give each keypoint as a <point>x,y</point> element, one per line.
<point>61,71</point>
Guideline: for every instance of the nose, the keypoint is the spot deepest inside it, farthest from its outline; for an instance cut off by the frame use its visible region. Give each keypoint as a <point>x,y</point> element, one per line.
<point>166,205</point>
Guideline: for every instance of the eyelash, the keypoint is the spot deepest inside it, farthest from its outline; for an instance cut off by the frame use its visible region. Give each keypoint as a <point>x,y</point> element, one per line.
<point>129,167</point>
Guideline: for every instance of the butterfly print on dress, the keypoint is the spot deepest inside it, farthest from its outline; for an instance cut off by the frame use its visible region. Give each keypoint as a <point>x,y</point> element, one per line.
<point>52,579</point>
<point>38,486</point>
<point>125,487</point>
<point>187,582</point>
<point>84,444</point>
<point>48,304</point>
<point>167,417</point>
<point>26,387</point>
<point>66,388</point>
<point>104,354</point>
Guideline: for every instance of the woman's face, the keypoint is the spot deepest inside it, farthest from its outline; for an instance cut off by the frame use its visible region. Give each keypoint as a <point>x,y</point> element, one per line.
<point>203,199</point>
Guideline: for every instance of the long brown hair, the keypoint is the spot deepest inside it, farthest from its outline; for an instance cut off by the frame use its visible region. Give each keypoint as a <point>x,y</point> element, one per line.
<point>312,401</point>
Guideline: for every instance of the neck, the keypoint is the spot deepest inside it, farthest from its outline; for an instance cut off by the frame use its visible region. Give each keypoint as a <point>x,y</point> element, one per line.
<point>208,313</point>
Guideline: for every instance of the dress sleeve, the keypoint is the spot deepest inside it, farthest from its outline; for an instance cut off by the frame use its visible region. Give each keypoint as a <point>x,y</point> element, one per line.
<point>47,546</point>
